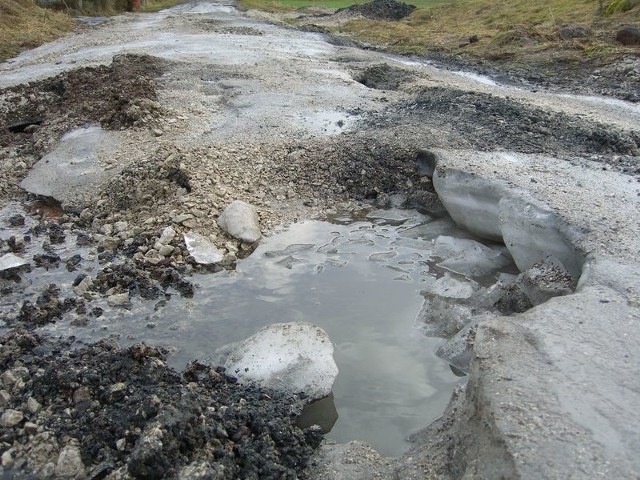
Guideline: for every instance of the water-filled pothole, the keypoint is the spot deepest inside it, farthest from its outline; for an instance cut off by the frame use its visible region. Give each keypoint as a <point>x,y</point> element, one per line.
<point>359,280</point>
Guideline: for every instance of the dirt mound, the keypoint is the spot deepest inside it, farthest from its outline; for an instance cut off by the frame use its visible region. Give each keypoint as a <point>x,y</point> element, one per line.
<point>382,9</point>
<point>383,77</point>
<point>99,410</point>
<point>34,116</point>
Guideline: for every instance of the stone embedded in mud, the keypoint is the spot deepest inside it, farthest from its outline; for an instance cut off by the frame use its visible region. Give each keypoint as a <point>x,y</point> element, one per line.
<point>10,261</point>
<point>240,219</point>
<point>119,300</point>
<point>11,418</point>
<point>289,357</point>
<point>201,249</point>
<point>535,286</point>
<point>167,236</point>
<point>70,463</point>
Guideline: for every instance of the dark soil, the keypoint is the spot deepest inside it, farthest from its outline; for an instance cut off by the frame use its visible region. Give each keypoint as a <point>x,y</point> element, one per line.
<point>383,77</point>
<point>122,94</point>
<point>127,413</point>
<point>618,79</point>
<point>484,122</point>
<point>382,9</point>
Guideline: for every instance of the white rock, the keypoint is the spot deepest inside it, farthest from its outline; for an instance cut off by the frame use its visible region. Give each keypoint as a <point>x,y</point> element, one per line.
<point>73,169</point>
<point>290,357</point>
<point>167,236</point>
<point>33,405</point>
<point>119,300</point>
<point>10,418</point>
<point>201,249</point>
<point>165,250</point>
<point>69,463</point>
<point>9,261</point>
<point>241,220</point>
<point>83,286</point>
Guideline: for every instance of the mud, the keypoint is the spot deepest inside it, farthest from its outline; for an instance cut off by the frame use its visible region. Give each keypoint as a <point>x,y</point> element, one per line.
<point>484,122</point>
<point>137,418</point>
<point>186,150</point>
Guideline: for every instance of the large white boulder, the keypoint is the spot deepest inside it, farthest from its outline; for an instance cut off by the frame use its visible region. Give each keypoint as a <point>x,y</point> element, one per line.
<point>241,220</point>
<point>290,357</point>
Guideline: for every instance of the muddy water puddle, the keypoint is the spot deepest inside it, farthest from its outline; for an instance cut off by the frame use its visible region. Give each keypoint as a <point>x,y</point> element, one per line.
<point>359,280</point>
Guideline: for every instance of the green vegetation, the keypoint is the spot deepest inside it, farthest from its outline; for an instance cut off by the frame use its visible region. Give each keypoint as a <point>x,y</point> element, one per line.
<point>23,25</point>
<point>514,30</point>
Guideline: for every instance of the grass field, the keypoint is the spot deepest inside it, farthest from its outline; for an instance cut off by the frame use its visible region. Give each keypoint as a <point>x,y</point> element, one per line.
<point>503,30</point>
<point>24,25</point>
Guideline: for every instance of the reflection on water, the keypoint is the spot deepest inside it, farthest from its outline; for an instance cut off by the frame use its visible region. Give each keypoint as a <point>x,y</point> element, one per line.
<point>359,281</point>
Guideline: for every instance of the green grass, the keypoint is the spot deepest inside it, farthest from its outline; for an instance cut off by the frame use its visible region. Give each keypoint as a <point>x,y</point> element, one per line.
<point>23,25</point>
<point>514,30</point>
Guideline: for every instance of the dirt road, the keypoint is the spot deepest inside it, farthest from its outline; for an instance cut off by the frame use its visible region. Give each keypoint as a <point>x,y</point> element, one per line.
<point>185,110</point>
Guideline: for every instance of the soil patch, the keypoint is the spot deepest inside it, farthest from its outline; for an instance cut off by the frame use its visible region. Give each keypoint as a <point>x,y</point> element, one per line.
<point>485,122</point>
<point>383,77</point>
<point>34,116</point>
<point>101,411</point>
<point>382,9</point>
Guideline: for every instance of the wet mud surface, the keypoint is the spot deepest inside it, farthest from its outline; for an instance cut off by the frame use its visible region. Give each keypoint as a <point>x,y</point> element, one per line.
<point>175,168</point>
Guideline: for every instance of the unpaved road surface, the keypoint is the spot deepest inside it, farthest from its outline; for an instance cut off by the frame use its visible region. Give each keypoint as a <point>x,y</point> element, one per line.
<point>181,112</point>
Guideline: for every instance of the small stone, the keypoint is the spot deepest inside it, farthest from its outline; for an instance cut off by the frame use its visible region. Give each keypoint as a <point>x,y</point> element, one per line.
<point>8,378</point>
<point>157,132</point>
<point>69,463</point>
<point>165,250</point>
<point>117,392</point>
<point>10,261</point>
<point>119,300</point>
<point>33,405</point>
<point>31,428</point>
<point>240,220</point>
<point>167,236</point>
<point>628,36</point>
<point>83,286</point>
<point>4,398</point>
<point>10,418</point>
<point>201,249</point>
<point>121,444</point>
<point>120,226</point>
<point>16,220</point>
<point>182,218</point>
<point>82,394</point>
<point>7,458</point>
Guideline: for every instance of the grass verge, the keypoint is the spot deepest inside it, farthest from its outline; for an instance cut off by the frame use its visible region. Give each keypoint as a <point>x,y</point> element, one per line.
<point>517,30</point>
<point>24,25</point>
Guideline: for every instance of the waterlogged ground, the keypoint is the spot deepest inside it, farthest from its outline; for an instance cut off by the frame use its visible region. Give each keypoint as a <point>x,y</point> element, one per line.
<point>358,279</point>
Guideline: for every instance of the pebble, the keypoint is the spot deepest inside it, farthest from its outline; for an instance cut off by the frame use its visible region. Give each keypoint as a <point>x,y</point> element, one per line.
<point>10,418</point>
<point>167,235</point>
<point>4,398</point>
<point>69,463</point>
<point>119,300</point>
<point>33,405</point>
